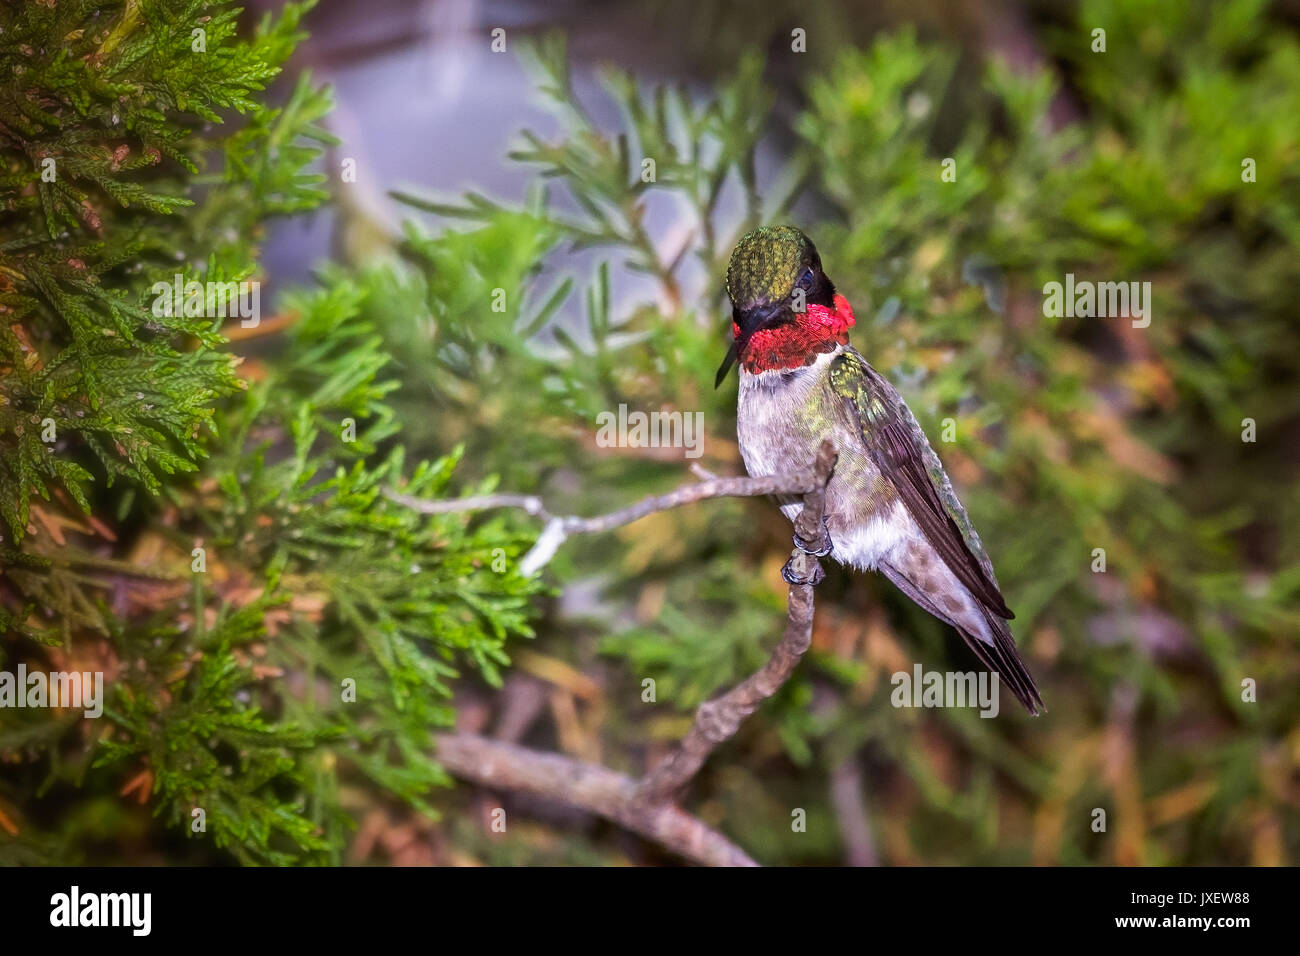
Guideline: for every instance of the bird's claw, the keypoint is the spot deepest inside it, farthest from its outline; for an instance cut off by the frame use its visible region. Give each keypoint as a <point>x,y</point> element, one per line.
<point>818,548</point>
<point>792,576</point>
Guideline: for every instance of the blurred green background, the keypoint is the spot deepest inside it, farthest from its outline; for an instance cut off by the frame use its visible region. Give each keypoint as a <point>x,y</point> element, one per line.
<point>521,171</point>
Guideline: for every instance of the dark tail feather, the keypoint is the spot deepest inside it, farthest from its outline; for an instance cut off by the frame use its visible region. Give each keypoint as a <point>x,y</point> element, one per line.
<point>1003,657</point>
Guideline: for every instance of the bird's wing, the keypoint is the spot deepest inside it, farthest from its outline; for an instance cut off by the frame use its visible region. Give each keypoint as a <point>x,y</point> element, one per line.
<point>998,654</point>
<point>900,450</point>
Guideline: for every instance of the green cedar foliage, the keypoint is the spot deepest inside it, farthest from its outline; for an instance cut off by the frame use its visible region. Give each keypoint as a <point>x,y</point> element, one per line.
<point>277,637</point>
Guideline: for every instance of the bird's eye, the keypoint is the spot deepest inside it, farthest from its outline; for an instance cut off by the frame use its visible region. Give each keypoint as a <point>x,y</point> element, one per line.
<point>806,280</point>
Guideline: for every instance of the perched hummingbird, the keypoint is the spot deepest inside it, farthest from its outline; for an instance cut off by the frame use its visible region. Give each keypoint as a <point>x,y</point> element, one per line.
<point>889,505</point>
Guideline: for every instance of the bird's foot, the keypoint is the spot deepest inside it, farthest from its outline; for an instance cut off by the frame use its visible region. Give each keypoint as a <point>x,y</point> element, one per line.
<point>793,576</point>
<point>820,546</point>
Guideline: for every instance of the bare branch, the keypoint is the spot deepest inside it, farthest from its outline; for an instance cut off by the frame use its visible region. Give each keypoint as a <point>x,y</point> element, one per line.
<point>530,503</point>
<point>718,720</point>
<point>561,527</point>
<point>600,790</point>
<point>849,804</point>
<point>795,483</point>
<point>647,806</point>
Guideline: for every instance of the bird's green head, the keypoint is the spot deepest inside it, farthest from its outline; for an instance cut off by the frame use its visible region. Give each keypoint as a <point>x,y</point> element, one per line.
<point>767,264</point>
<point>784,309</point>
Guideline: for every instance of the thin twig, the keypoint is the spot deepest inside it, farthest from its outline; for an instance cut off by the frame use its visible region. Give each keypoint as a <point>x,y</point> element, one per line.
<point>529,503</point>
<point>849,805</point>
<point>560,528</point>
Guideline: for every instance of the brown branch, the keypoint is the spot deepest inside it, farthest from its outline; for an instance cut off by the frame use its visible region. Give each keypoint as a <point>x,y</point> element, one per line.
<point>561,527</point>
<point>647,806</point>
<point>599,790</point>
<point>849,805</point>
<point>718,720</point>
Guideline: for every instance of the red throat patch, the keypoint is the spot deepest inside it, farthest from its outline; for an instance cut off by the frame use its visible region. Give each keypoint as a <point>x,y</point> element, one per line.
<point>816,331</point>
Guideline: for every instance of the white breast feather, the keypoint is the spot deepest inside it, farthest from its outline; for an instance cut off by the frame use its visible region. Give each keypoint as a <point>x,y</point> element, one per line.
<point>765,402</point>
<point>865,546</point>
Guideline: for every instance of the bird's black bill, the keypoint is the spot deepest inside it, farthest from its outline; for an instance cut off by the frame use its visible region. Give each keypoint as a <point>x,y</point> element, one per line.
<point>753,322</point>
<point>728,360</point>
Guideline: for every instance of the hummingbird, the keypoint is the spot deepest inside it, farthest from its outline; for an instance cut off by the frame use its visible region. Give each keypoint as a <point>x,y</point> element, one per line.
<point>889,504</point>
